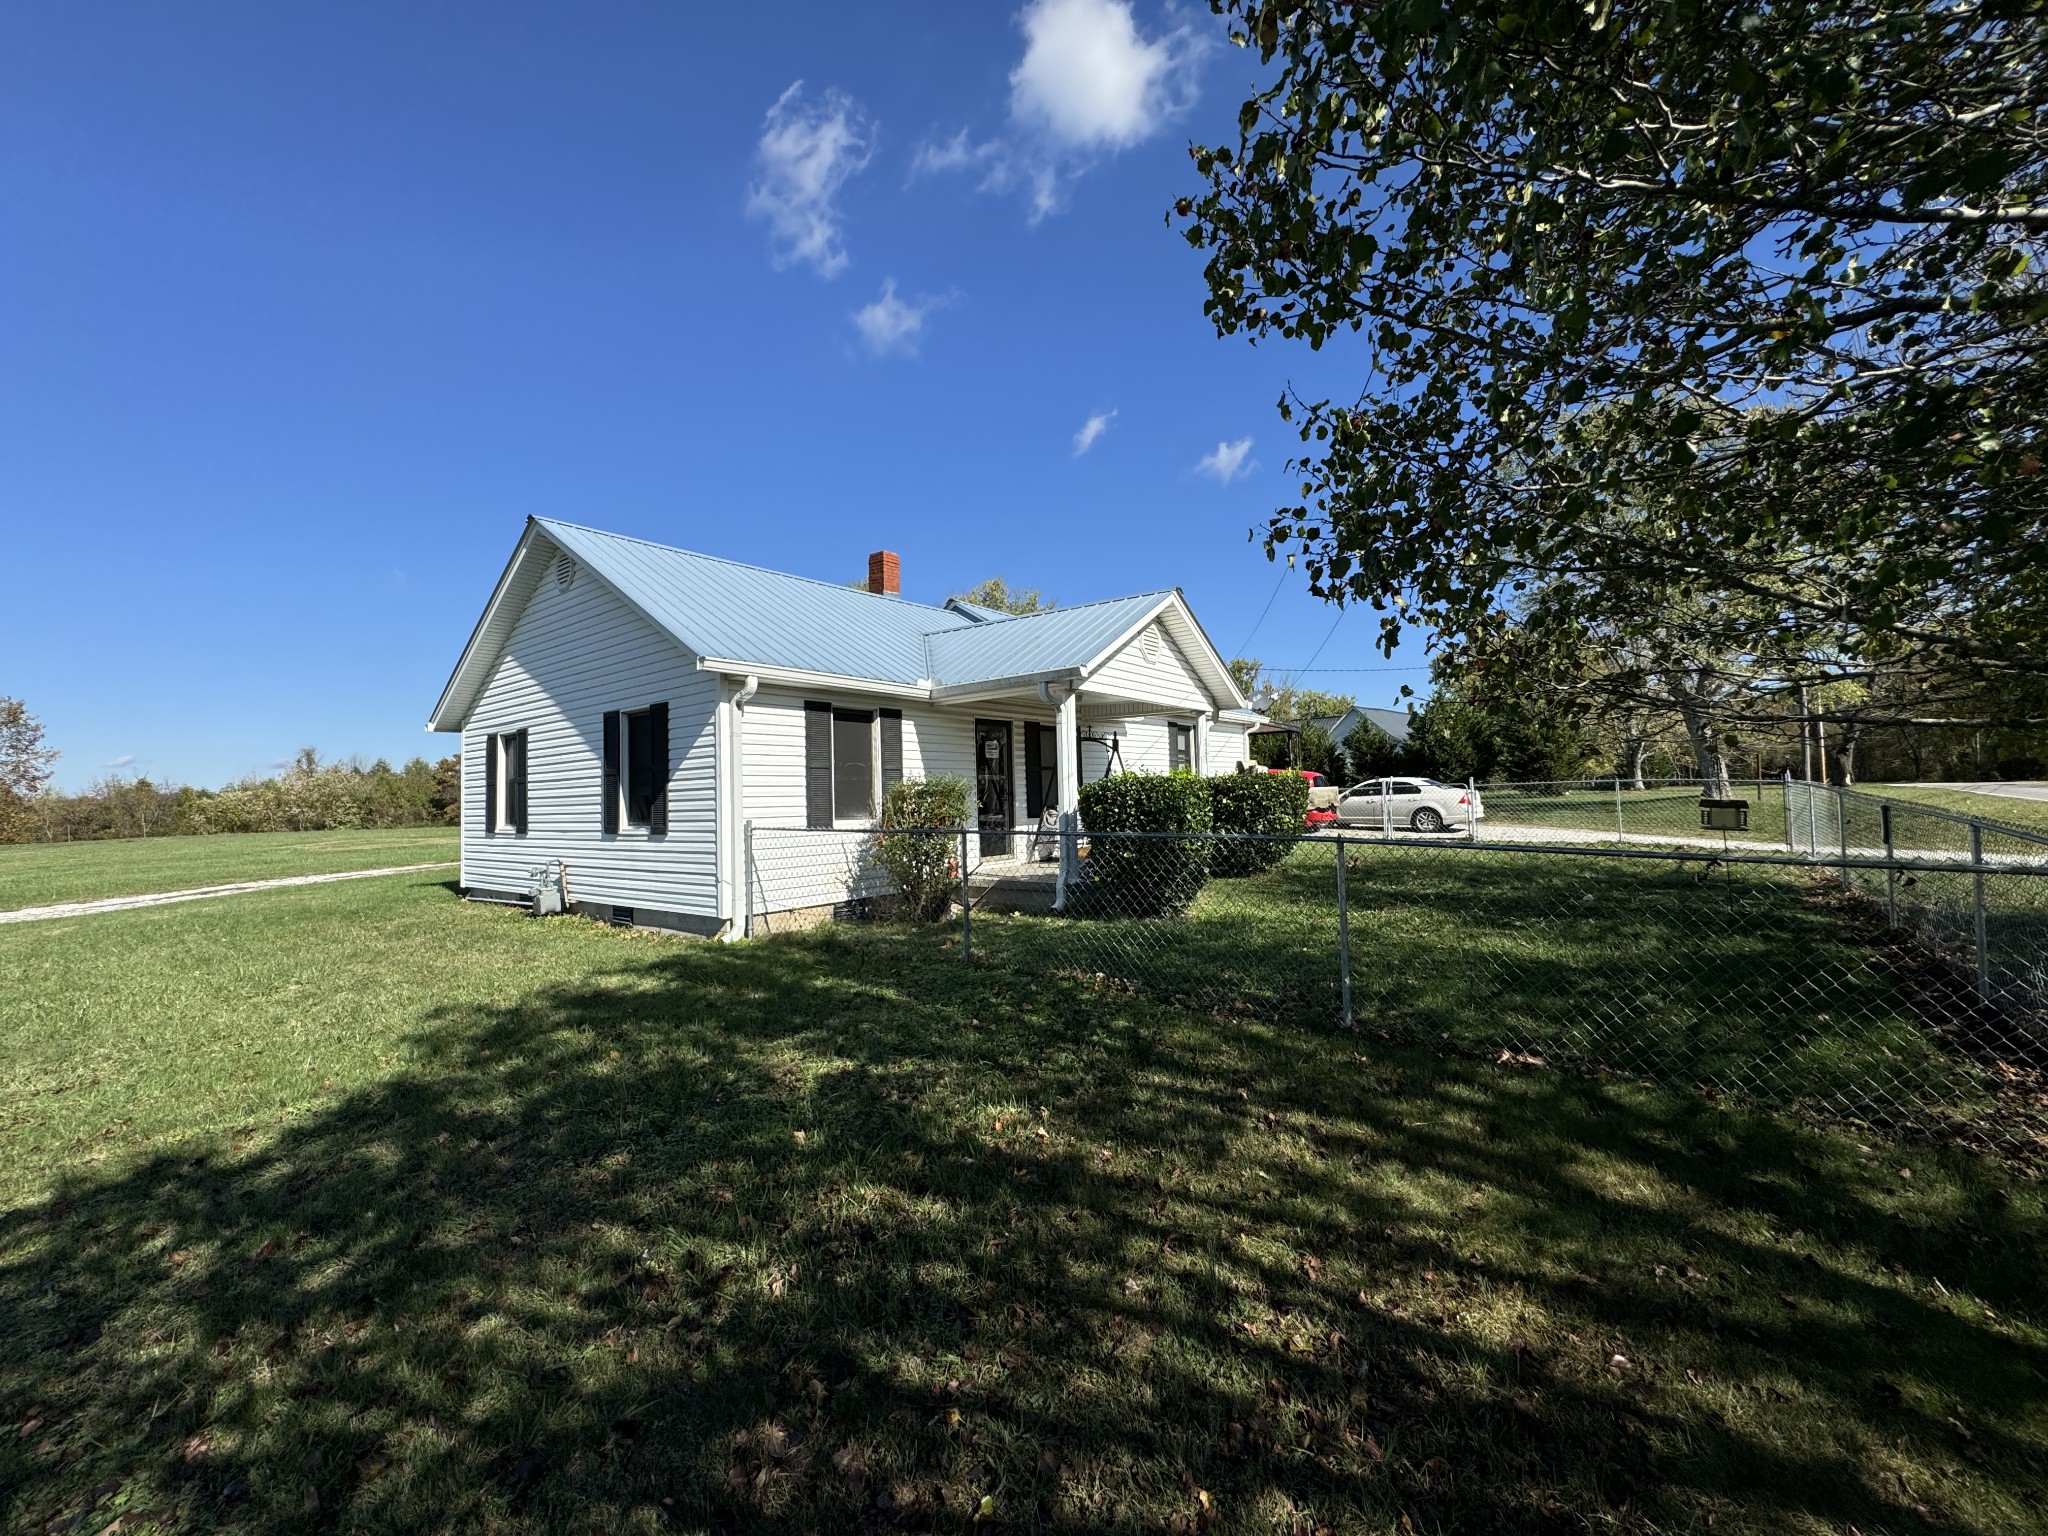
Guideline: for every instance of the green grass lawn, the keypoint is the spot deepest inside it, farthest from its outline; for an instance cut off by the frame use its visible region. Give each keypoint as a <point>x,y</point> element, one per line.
<point>36,874</point>
<point>358,1207</point>
<point>1666,810</point>
<point>2028,815</point>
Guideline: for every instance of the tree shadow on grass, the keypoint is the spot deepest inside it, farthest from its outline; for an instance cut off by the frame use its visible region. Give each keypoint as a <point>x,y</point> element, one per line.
<point>1754,981</point>
<point>836,1233</point>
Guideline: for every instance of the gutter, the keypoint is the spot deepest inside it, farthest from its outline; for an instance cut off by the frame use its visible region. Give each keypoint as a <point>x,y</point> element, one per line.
<point>797,677</point>
<point>994,685</point>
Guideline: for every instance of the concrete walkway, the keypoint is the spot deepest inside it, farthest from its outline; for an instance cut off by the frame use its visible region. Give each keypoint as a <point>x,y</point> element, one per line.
<point>199,893</point>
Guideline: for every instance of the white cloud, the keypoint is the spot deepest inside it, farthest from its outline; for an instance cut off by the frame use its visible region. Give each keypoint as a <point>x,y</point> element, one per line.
<point>1090,83</point>
<point>807,152</point>
<point>1227,463</point>
<point>890,325</point>
<point>1091,429</point>
<point>1090,80</point>
<point>123,760</point>
<point>959,153</point>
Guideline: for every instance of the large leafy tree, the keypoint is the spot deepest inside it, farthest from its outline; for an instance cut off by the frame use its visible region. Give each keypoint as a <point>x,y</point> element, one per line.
<point>998,594</point>
<point>24,767</point>
<point>1773,267</point>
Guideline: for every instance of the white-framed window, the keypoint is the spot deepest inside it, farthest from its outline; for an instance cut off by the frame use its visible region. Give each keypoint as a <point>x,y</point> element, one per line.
<point>505,782</point>
<point>637,768</point>
<point>853,767</point>
<point>851,756</point>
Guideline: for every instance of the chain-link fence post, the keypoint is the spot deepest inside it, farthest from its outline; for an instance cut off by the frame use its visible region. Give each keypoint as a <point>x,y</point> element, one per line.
<point>1842,827</point>
<point>747,879</point>
<point>966,904</point>
<point>1343,933</point>
<point>1891,869</point>
<point>1977,901</point>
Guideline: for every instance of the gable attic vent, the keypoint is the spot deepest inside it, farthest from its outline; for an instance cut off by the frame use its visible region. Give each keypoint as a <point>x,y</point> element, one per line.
<point>565,573</point>
<point>1148,643</point>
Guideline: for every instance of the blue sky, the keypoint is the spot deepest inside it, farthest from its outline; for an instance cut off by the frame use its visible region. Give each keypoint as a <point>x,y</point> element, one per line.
<point>302,312</point>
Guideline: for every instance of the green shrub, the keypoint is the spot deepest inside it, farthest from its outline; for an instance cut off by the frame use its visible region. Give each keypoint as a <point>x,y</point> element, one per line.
<point>1143,876</point>
<point>923,866</point>
<point>1256,802</point>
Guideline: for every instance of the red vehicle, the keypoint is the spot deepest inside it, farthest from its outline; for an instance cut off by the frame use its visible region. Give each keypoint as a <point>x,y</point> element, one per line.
<point>1318,815</point>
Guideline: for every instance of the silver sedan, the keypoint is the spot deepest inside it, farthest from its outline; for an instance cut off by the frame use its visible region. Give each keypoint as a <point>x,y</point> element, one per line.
<point>1414,805</point>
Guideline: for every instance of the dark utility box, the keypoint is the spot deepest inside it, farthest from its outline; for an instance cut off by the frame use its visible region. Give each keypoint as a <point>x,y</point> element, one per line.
<point>1724,815</point>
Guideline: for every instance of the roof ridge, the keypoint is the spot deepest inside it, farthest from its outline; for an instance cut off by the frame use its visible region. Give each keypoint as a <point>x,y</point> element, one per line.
<point>742,565</point>
<point>1043,613</point>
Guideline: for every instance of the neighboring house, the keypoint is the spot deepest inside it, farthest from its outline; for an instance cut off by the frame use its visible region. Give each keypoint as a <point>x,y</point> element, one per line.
<point>642,714</point>
<point>1393,721</point>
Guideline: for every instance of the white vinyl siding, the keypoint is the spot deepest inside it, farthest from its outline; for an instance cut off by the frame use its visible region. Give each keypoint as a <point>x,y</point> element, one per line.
<point>1160,678</point>
<point>572,656</point>
<point>1229,745</point>
<point>799,867</point>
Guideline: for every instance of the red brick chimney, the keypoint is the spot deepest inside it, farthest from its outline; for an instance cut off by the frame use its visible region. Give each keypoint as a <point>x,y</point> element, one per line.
<point>885,573</point>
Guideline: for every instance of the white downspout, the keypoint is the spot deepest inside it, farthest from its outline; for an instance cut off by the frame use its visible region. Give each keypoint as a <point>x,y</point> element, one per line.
<point>736,822</point>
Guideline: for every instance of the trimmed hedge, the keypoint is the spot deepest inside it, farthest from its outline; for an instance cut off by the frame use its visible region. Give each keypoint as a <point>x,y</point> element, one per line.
<point>1255,801</point>
<point>1143,876</point>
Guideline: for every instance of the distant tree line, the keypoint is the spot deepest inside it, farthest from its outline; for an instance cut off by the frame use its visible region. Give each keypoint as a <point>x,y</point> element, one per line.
<point>310,796</point>
<point>1490,724</point>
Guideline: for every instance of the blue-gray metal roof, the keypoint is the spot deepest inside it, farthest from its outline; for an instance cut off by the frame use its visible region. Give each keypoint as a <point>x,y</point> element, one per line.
<point>731,612</point>
<point>1395,722</point>
<point>1028,644</point>
<point>976,611</point>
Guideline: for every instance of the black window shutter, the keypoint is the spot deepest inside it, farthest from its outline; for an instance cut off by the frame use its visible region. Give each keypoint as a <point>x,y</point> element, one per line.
<point>611,770</point>
<point>491,782</point>
<point>657,734</point>
<point>817,764</point>
<point>892,748</point>
<point>518,785</point>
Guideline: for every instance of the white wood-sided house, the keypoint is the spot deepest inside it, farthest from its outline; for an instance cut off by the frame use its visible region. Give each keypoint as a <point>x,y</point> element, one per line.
<point>640,713</point>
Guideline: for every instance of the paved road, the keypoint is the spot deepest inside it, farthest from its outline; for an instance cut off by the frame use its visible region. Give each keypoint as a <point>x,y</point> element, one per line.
<point>197,893</point>
<point>2010,789</point>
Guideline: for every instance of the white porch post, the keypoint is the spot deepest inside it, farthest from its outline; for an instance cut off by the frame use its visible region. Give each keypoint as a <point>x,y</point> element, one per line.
<point>1202,744</point>
<point>1067,749</point>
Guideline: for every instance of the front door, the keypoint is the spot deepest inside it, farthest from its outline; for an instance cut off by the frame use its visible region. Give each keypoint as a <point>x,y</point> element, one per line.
<point>992,786</point>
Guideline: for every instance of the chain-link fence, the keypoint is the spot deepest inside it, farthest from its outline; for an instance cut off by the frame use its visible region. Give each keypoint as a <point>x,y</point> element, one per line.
<point>1856,986</point>
<point>1939,875</point>
<point>1659,811</point>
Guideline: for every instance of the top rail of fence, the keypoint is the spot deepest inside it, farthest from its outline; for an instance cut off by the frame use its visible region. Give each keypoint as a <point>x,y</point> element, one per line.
<point>1940,813</point>
<point>1370,841</point>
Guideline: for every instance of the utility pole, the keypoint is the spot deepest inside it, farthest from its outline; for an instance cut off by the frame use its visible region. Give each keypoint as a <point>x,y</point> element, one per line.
<point>1805,738</point>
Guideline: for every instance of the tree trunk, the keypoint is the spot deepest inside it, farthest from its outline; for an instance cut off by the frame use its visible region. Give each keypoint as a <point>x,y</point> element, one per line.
<point>1843,755</point>
<point>1707,752</point>
<point>1639,750</point>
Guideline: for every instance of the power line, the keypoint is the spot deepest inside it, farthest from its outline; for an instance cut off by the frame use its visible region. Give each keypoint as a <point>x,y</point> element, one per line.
<point>1326,640</point>
<point>1263,611</point>
<point>1350,669</point>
